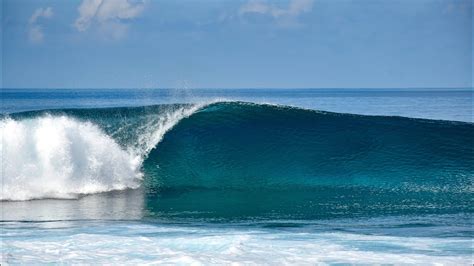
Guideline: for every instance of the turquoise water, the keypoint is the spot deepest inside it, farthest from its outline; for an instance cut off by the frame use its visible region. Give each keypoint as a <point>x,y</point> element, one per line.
<point>156,176</point>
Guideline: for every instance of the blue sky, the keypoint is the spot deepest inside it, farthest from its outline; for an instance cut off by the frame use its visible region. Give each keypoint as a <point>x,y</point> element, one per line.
<point>236,44</point>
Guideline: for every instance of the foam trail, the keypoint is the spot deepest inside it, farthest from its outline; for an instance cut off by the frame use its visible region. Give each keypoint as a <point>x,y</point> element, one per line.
<point>206,245</point>
<point>62,157</point>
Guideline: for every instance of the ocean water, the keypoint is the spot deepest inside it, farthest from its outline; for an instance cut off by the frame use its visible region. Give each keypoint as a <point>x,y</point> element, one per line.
<point>237,176</point>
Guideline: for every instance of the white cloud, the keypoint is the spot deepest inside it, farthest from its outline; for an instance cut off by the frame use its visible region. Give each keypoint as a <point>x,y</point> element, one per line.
<point>294,9</point>
<point>109,15</point>
<point>35,34</point>
<point>87,11</point>
<point>256,6</point>
<point>299,6</point>
<point>35,30</point>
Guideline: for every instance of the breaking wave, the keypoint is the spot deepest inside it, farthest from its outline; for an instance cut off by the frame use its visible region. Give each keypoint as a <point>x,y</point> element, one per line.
<point>54,154</point>
<point>239,150</point>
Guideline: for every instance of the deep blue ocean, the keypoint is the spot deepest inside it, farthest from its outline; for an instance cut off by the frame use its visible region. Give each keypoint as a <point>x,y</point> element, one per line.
<point>247,176</point>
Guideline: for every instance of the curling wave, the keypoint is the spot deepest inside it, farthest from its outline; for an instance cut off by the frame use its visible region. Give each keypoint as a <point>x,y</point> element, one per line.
<point>214,154</point>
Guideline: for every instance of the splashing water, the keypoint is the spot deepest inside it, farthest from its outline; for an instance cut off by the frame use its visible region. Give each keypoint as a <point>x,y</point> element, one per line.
<point>63,157</point>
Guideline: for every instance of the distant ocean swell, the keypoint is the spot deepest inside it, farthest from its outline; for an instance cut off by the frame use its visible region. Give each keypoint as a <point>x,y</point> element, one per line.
<point>284,157</point>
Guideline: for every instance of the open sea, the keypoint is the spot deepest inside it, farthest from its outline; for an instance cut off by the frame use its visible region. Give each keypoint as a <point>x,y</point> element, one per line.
<point>245,176</point>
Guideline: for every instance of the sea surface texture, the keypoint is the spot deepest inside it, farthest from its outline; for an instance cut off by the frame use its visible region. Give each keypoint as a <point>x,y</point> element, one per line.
<point>237,176</point>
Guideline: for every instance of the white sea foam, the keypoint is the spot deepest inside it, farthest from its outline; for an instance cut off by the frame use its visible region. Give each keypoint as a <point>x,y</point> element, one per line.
<point>62,157</point>
<point>138,243</point>
<point>59,157</point>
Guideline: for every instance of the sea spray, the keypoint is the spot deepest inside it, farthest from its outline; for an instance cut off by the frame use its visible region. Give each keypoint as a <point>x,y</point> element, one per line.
<point>61,156</point>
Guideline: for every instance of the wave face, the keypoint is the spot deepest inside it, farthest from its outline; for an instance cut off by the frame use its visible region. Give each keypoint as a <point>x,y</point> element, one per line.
<point>249,146</point>
<point>235,159</point>
<point>248,160</point>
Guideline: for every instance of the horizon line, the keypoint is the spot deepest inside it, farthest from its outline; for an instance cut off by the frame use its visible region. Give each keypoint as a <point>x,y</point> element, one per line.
<point>239,88</point>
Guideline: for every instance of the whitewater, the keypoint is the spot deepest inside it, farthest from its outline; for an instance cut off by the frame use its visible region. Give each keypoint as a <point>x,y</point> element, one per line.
<point>61,157</point>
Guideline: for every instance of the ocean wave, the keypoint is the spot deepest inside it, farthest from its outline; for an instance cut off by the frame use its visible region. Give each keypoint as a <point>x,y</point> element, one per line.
<point>252,146</point>
<point>229,146</point>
